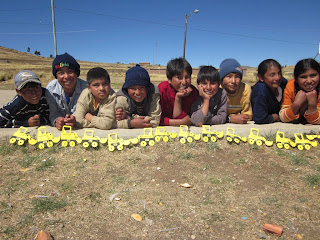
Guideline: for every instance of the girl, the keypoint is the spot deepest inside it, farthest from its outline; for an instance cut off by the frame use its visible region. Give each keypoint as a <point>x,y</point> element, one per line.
<point>301,102</point>
<point>267,93</point>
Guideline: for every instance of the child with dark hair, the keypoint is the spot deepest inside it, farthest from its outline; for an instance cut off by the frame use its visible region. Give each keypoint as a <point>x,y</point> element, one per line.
<point>29,108</point>
<point>211,105</point>
<point>96,104</point>
<point>238,92</point>
<point>64,91</point>
<point>177,94</point>
<point>267,93</point>
<point>301,98</point>
<point>138,101</point>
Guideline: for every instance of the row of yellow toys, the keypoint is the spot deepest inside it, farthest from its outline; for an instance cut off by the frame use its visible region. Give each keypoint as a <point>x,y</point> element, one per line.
<point>148,138</point>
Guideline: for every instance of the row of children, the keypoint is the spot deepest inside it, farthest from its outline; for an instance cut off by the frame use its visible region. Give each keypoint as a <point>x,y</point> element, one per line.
<point>221,97</point>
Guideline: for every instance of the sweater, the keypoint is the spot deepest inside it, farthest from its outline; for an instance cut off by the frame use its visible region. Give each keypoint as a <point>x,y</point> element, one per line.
<point>286,114</point>
<point>103,115</point>
<point>264,102</point>
<point>17,112</point>
<point>57,100</point>
<point>167,98</point>
<point>217,113</point>
<point>153,108</point>
<point>239,102</point>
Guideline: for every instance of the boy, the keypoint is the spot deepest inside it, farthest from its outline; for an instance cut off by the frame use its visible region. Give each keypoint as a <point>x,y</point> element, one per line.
<point>95,106</point>
<point>177,94</point>
<point>138,101</point>
<point>29,108</point>
<point>211,106</point>
<point>64,91</point>
<point>238,93</point>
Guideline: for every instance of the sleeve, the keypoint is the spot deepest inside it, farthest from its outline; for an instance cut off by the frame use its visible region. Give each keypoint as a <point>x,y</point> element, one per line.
<point>246,104</point>
<point>221,115</point>
<point>106,115</point>
<point>155,110</point>
<point>54,109</point>
<point>260,110</point>
<point>8,113</point>
<point>197,115</point>
<point>286,114</point>
<point>314,118</point>
<point>121,102</point>
<point>81,110</point>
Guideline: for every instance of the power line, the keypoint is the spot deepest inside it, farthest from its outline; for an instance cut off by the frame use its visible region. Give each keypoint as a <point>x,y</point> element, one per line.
<point>39,33</point>
<point>27,23</point>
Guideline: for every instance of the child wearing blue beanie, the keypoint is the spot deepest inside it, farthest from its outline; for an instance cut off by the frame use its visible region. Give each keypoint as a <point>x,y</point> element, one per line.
<point>138,101</point>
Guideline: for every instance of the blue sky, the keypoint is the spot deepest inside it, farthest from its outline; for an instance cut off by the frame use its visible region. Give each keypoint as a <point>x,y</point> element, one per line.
<point>153,31</point>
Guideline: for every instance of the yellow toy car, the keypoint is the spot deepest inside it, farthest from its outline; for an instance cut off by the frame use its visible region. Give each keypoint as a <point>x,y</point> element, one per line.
<point>161,134</point>
<point>208,134</point>
<point>231,137</point>
<point>147,137</point>
<point>69,137</point>
<point>21,136</point>
<point>312,137</point>
<point>302,143</point>
<point>186,136</point>
<point>45,139</point>
<point>255,138</point>
<point>89,139</point>
<point>282,141</point>
<point>116,143</point>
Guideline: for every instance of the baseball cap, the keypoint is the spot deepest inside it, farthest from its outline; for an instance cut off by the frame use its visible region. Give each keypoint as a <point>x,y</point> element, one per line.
<point>25,76</point>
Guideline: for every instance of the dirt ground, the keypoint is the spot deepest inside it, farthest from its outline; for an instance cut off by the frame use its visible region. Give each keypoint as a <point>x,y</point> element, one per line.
<point>76,193</point>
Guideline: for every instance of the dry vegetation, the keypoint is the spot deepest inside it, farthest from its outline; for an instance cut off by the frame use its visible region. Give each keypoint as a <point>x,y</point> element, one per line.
<point>12,61</point>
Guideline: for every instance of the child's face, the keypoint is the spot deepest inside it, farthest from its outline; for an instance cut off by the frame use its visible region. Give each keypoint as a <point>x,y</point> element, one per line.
<point>137,93</point>
<point>67,78</point>
<point>231,82</point>
<point>181,82</point>
<point>209,88</point>
<point>99,88</point>
<point>31,94</point>
<point>309,80</point>
<point>272,78</point>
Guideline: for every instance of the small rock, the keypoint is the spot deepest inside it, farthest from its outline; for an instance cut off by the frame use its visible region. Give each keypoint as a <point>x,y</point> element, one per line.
<point>262,235</point>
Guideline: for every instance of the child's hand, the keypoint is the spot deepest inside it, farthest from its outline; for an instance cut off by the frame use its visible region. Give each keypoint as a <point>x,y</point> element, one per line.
<point>121,114</point>
<point>202,93</point>
<point>239,118</point>
<point>88,117</point>
<point>141,122</point>
<point>276,117</point>
<point>312,99</point>
<point>59,123</point>
<point>34,121</point>
<point>184,92</point>
<point>70,120</point>
<point>299,101</point>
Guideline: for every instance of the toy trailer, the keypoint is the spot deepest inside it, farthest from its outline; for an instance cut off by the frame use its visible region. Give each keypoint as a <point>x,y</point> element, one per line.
<point>208,134</point>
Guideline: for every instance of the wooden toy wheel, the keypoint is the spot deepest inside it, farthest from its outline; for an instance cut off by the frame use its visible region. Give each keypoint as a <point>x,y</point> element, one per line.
<point>157,138</point>
<point>229,139</point>
<point>64,143</point>
<point>165,138</point>
<point>205,139</point>
<point>120,147</point>
<point>251,141</point>
<point>280,145</point>
<point>49,144</point>
<point>189,139</point>
<point>151,143</point>
<point>85,144</point>
<point>143,143</point>
<point>307,147</point>
<point>236,140</point>
<point>286,146</point>
<point>183,140</point>
<point>259,142</point>
<point>72,143</point>
<point>111,148</point>
<point>13,140</point>
<point>20,142</point>
<point>94,144</point>
<point>213,139</point>
<point>300,147</point>
<point>41,145</point>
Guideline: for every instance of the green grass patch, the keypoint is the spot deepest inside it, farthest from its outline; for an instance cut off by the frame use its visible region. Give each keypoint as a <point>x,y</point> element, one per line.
<point>41,205</point>
<point>27,161</point>
<point>313,180</point>
<point>185,155</point>
<point>94,197</point>
<point>298,160</point>
<point>6,148</point>
<point>45,164</point>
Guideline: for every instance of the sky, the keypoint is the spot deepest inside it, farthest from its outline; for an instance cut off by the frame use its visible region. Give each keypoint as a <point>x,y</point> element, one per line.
<point>153,31</point>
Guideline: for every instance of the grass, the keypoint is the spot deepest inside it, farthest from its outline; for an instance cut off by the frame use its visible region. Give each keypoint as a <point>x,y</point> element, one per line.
<point>41,205</point>
<point>46,164</point>
<point>313,179</point>
<point>298,159</point>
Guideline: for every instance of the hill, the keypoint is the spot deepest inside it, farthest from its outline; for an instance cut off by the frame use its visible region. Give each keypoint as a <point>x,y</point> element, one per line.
<point>13,61</point>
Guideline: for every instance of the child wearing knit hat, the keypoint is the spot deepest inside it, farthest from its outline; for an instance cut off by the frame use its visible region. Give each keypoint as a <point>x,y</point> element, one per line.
<point>238,93</point>
<point>96,104</point>
<point>64,91</point>
<point>138,101</point>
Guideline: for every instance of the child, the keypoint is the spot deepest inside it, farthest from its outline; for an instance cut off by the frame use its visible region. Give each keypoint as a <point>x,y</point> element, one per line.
<point>177,94</point>
<point>64,91</point>
<point>211,106</point>
<point>238,93</point>
<point>301,99</point>
<point>138,101</point>
<point>95,106</point>
<point>29,108</point>
<point>267,93</point>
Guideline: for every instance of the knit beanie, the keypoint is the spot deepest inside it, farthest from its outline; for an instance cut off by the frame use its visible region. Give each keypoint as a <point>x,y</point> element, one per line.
<point>136,76</point>
<point>230,65</point>
<point>65,60</point>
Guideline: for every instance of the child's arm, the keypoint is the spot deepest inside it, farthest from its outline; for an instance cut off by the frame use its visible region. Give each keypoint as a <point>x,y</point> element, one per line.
<point>246,104</point>
<point>177,108</point>
<point>55,111</point>
<point>82,109</point>
<point>312,114</point>
<point>220,117</point>
<point>291,104</point>
<point>106,116</point>
<point>197,116</point>
<point>155,110</point>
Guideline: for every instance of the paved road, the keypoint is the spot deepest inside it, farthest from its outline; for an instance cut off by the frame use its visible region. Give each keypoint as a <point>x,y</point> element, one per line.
<point>242,130</point>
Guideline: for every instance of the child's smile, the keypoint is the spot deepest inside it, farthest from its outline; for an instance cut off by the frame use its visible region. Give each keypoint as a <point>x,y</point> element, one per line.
<point>309,80</point>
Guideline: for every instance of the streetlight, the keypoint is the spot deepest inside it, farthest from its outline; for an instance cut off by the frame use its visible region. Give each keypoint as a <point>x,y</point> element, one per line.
<point>185,31</point>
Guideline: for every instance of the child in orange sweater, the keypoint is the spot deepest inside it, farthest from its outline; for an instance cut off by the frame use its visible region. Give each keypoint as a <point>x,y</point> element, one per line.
<point>301,99</point>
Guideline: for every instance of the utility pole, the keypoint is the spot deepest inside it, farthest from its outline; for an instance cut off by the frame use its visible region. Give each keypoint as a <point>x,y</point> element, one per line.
<point>185,31</point>
<point>54,29</point>
<point>318,51</point>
